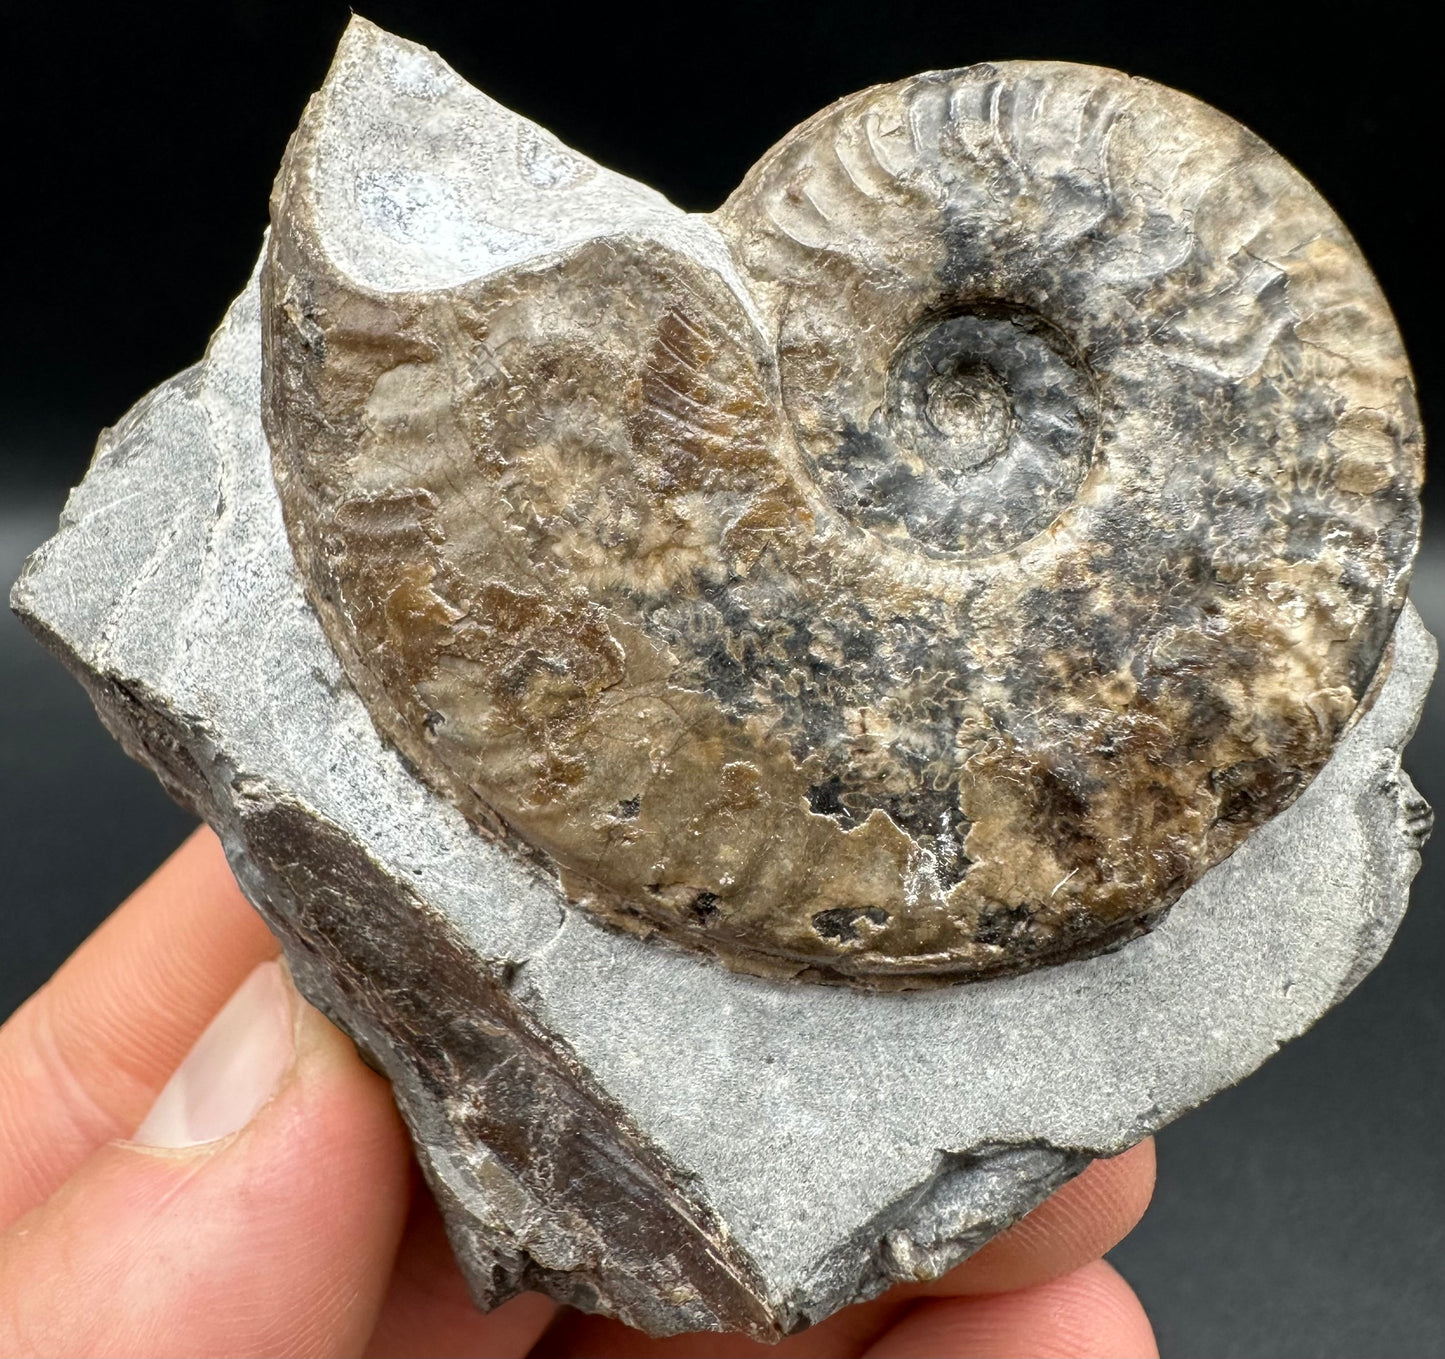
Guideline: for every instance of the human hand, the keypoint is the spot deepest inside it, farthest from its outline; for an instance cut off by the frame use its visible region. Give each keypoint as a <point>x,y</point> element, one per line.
<point>194,1161</point>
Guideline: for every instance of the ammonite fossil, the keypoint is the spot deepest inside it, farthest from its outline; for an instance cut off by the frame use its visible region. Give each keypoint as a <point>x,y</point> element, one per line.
<point>922,568</point>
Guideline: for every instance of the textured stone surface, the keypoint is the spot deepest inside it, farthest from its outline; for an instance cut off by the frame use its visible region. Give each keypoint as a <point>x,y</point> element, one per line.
<point>925,566</point>
<point>619,1122</point>
<point>624,1124</point>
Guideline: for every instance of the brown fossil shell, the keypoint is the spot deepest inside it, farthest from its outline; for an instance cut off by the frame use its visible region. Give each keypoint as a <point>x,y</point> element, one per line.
<point>935,588</point>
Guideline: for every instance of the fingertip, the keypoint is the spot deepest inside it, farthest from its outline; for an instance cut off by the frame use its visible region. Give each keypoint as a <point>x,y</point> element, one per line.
<point>102,1036</point>
<point>277,1237</point>
<point>1091,1313</point>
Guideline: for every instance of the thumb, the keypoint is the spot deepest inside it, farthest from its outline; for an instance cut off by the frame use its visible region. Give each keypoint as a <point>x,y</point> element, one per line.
<point>255,1211</point>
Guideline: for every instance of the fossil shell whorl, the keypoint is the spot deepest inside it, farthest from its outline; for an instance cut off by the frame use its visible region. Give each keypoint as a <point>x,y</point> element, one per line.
<point>924,568</point>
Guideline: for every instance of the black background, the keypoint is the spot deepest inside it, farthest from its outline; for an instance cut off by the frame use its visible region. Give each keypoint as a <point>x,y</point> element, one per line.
<point>1298,1215</point>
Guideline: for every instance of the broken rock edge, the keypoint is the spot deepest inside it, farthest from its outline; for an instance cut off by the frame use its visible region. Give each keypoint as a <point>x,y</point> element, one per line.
<point>183,753</point>
<point>243,811</point>
<point>911,1239</point>
<point>251,820</point>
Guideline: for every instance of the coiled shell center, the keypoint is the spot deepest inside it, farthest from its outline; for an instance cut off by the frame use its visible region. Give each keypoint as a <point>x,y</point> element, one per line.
<point>988,430</point>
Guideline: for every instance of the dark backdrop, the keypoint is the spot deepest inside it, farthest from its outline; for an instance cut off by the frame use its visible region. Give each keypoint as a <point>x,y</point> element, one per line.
<point>1298,1215</point>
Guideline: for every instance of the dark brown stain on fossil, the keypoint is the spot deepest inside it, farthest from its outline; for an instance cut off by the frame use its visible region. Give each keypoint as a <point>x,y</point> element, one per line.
<point>945,606</point>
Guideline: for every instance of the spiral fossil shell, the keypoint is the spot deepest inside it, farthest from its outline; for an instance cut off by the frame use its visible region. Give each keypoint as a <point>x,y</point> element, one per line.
<point>922,568</point>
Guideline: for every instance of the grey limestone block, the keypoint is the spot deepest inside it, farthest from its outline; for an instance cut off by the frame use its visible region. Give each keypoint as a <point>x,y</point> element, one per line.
<point>614,1119</point>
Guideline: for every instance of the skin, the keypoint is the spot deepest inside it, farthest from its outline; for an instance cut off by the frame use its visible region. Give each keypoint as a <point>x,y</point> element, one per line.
<point>308,1231</point>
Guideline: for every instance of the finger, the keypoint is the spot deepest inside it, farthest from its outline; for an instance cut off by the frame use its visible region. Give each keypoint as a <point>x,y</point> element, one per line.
<point>1089,1314</point>
<point>427,1309</point>
<point>576,1335</point>
<point>1078,1223</point>
<point>82,1059</point>
<point>256,1212</point>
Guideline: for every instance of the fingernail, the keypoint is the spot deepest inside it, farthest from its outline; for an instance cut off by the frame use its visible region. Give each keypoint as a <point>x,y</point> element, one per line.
<point>234,1068</point>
